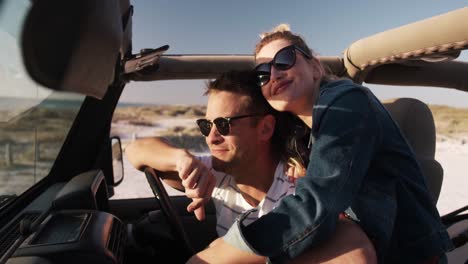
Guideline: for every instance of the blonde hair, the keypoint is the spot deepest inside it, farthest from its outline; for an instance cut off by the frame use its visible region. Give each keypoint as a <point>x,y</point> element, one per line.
<point>280,28</point>
<point>283,31</point>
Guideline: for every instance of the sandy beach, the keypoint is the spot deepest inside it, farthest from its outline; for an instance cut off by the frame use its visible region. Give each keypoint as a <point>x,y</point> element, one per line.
<point>453,156</point>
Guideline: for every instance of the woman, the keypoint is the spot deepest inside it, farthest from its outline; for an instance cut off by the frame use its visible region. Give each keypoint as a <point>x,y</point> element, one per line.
<point>359,163</point>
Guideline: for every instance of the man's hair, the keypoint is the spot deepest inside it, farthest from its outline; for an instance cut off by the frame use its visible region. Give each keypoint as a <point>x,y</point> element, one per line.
<point>245,83</point>
<point>242,83</point>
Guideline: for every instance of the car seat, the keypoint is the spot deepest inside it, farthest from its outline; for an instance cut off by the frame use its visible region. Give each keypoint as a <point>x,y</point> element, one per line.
<point>417,124</point>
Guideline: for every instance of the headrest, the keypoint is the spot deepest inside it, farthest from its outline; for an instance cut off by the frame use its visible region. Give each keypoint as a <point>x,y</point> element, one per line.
<point>417,124</point>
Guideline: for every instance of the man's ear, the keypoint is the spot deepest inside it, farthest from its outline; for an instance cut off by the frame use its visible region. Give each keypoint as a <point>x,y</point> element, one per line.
<point>266,127</point>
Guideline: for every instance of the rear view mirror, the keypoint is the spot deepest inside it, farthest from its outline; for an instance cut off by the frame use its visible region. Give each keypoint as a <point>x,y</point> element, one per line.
<point>73,45</point>
<point>117,160</point>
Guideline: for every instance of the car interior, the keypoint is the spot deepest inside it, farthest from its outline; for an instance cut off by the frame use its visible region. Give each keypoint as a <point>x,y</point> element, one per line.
<point>84,49</point>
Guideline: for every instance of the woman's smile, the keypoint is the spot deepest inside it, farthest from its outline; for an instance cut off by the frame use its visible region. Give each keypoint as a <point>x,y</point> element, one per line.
<point>279,87</point>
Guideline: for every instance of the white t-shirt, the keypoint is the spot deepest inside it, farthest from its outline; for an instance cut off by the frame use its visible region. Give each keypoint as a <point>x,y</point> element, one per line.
<point>230,203</point>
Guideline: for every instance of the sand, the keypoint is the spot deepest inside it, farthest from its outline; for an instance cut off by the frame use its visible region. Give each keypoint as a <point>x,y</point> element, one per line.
<point>453,156</point>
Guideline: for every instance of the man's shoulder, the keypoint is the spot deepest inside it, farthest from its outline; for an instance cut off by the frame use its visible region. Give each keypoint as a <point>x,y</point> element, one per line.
<point>280,173</point>
<point>280,187</point>
<point>280,169</point>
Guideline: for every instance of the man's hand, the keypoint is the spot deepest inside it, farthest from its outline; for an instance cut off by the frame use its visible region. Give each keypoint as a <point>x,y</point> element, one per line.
<point>198,182</point>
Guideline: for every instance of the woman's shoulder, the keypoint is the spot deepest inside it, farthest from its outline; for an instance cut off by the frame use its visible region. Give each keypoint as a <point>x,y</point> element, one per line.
<point>343,94</point>
<point>331,91</point>
<point>336,88</point>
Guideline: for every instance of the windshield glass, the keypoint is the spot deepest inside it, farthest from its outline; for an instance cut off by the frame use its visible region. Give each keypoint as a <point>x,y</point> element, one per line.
<point>34,120</point>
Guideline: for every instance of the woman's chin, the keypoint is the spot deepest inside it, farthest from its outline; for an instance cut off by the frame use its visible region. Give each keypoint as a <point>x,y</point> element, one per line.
<point>280,105</point>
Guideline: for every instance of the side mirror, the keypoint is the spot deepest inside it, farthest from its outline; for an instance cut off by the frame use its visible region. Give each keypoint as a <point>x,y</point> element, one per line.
<point>117,160</point>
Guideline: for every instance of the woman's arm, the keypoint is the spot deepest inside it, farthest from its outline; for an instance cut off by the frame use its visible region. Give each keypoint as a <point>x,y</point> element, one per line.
<point>345,141</point>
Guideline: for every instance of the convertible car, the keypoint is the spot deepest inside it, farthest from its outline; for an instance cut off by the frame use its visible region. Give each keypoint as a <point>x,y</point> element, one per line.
<point>64,65</point>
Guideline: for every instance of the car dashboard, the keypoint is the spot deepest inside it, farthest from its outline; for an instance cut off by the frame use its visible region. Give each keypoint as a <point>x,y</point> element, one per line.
<point>73,228</point>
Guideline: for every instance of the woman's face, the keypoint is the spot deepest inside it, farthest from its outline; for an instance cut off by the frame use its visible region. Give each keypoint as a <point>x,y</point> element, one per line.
<point>292,89</point>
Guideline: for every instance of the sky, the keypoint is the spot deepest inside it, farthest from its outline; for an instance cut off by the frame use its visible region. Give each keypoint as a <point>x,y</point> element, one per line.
<point>232,27</point>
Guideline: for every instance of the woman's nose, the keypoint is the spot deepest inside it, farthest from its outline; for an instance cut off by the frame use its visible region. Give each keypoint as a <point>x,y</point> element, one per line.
<point>275,74</point>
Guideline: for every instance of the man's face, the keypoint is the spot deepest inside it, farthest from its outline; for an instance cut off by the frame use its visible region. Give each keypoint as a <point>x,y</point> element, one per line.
<point>230,151</point>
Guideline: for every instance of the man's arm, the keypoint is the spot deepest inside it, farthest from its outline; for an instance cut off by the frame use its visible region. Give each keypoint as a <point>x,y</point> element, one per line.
<point>178,168</point>
<point>157,154</point>
<point>221,252</point>
<point>349,244</point>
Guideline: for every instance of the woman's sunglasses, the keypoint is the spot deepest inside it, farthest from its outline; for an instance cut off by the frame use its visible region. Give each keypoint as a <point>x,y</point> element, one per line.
<point>223,124</point>
<point>284,59</point>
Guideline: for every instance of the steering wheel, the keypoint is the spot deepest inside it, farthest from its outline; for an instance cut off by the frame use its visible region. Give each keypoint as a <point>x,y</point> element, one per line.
<point>168,209</point>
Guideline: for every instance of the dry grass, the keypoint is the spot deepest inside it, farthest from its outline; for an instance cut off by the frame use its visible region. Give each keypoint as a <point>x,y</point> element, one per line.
<point>147,114</point>
<point>40,131</point>
<point>450,121</point>
<point>180,130</point>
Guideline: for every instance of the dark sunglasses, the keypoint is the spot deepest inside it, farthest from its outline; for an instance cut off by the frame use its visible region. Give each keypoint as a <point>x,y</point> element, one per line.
<point>223,124</point>
<point>283,60</point>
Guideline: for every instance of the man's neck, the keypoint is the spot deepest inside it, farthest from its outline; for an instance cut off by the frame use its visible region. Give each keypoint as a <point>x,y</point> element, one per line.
<point>255,180</point>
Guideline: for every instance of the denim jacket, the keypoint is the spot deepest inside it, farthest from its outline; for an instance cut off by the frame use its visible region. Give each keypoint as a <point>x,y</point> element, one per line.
<point>359,163</point>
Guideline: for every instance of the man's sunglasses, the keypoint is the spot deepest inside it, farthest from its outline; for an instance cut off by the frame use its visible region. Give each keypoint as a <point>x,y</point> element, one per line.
<point>284,59</point>
<point>223,124</point>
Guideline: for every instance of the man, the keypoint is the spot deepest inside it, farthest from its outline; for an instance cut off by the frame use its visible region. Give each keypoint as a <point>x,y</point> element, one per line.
<point>244,169</point>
